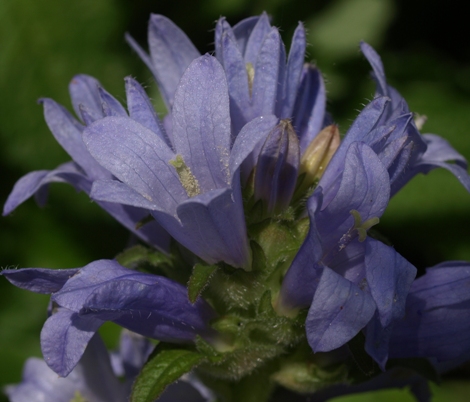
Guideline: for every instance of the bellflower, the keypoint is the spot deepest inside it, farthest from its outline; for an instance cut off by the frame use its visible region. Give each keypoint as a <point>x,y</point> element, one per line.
<point>92,379</point>
<point>435,324</point>
<point>102,291</point>
<point>427,151</point>
<point>191,188</point>
<point>90,102</point>
<point>339,258</point>
<point>261,81</point>
<point>97,376</point>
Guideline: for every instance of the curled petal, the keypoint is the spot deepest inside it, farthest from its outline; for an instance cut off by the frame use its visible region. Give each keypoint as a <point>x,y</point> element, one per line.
<point>39,280</point>
<point>64,338</point>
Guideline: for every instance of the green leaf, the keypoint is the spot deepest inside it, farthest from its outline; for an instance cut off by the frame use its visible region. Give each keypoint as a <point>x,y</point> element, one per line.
<point>163,367</point>
<point>199,279</point>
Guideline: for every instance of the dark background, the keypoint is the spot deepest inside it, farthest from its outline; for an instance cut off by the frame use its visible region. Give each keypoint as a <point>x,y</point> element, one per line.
<point>426,52</point>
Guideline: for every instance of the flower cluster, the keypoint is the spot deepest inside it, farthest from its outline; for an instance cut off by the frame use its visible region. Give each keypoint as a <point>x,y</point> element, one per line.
<point>268,212</point>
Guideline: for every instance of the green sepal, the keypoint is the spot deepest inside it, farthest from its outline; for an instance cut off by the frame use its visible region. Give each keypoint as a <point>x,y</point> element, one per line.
<point>150,260</point>
<point>207,350</point>
<point>163,367</point>
<point>199,279</point>
<point>303,371</point>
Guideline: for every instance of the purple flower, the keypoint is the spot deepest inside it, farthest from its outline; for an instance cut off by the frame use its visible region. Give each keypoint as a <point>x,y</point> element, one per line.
<point>150,305</point>
<point>426,152</point>
<point>91,102</point>
<point>436,322</point>
<point>92,379</point>
<point>97,376</point>
<point>190,186</point>
<point>343,275</point>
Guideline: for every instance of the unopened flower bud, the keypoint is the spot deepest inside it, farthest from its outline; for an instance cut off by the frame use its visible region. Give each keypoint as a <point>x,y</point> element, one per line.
<point>277,167</point>
<point>318,154</point>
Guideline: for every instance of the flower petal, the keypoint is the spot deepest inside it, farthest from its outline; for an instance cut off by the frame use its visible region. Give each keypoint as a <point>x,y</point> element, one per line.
<point>68,133</point>
<point>213,227</point>
<point>237,77</point>
<point>339,310</point>
<point>39,280</point>
<point>364,187</point>
<point>436,322</point>
<point>141,109</point>
<point>137,157</point>
<point>269,75</point>
<point>309,111</point>
<point>64,338</point>
<point>201,122</point>
<point>171,52</point>
<point>389,277</point>
<point>255,41</point>
<point>295,62</point>
<point>36,183</point>
<point>303,276</point>
<point>83,90</point>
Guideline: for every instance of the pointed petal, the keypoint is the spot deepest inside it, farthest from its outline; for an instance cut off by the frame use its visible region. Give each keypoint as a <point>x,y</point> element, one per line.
<point>83,90</point>
<point>64,338</point>
<point>144,56</point>
<point>68,133</point>
<point>110,105</point>
<point>376,64</point>
<point>338,312</point>
<point>295,62</point>
<point>309,111</point>
<point>237,80</point>
<point>256,38</point>
<point>269,75</point>
<point>171,52</point>
<point>201,122</point>
<point>389,277</point>
<point>39,280</point>
<point>141,109</point>
<point>137,157</point>
<point>243,30</point>
<point>439,153</point>
<point>362,126</point>
<point>36,183</point>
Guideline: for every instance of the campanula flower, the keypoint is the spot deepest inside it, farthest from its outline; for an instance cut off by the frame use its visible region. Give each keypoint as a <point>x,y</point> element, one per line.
<point>147,304</point>
<point>427,151</point>
<point>92,379</point>
<point>91,102</point>
<point>338,258</point>
<point>191,186</point>
<point>435,324</point>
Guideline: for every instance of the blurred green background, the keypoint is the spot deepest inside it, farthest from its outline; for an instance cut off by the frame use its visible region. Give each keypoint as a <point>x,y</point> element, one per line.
<point>426,52</point>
